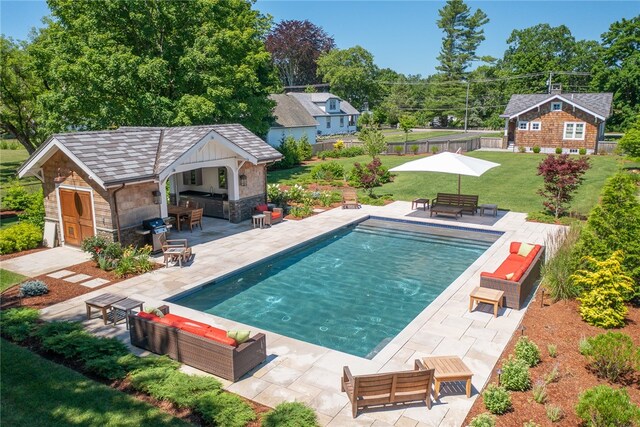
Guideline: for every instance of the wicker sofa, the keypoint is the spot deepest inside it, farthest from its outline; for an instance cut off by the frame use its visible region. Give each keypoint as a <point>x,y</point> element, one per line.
<point>196,344</point>
<point>523,273</point>
<point>271,216</point>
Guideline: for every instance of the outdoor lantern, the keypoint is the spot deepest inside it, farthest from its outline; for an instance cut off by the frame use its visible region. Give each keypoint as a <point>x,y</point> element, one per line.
<point>499,372</point>
<point>243,180</point>
<point>157,197</point>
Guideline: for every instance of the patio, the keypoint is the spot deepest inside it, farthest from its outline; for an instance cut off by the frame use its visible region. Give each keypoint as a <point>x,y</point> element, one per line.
<point>296,370</point>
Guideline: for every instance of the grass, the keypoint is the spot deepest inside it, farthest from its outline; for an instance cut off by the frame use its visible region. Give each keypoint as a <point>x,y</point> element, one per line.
<point>9,278</point>
<point>513,185</point>
<point>37,392</point>
<point>415,136</point>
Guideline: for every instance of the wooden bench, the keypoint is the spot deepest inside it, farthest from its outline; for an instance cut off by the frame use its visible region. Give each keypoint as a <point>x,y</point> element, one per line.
<point>468,203</point>
<point>388,388</point>
<point>486,295</point>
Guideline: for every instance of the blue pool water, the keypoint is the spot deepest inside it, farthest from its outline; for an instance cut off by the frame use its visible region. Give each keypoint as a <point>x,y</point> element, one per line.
<point>352,291</point>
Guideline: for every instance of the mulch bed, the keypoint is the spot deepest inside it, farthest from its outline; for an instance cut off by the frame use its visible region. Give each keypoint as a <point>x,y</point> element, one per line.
<point>560,324</point>
<point>59,289</point>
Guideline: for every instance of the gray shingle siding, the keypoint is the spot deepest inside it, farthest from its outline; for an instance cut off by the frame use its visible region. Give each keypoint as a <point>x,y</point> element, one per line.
<point>599,103</point>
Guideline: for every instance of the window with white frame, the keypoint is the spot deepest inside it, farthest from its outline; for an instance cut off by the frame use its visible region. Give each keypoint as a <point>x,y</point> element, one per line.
<point>332,104</point>
<point>535,125</point>
<point>556,106</point>
<point>328,122</point>
<point>573,130</point>
<point>573,150</point>
<point>341,121</point>
<point>522,125</point>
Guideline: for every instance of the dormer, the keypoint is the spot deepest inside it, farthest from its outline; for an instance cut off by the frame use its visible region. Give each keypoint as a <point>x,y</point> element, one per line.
<point>332,105</point>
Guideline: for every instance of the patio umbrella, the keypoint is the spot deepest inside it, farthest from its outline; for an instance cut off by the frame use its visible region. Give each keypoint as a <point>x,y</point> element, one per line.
<point>448,163</point>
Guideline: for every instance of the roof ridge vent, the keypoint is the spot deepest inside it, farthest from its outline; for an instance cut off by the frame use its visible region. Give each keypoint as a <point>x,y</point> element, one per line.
<point>160,139</point>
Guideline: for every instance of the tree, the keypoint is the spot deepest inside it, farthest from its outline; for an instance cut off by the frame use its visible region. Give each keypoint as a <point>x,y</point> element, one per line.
<point>630,142</point>
<point>19,91</point>
<point>351,74</point>
<point>373,141</point>
<point>295,46</point>
<point>154,63</point>
<point>562,176</point>
<point>407,123</point>
<point>463,34</point>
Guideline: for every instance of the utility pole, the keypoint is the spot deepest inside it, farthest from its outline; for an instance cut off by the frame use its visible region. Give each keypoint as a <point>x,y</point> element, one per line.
<point>466,108</point>
<point>550,81</point>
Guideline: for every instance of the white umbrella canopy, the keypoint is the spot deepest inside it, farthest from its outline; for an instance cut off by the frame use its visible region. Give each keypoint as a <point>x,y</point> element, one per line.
<point>448,163</point>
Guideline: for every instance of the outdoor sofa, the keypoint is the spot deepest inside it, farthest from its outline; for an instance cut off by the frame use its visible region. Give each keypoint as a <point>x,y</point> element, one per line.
<point>466,203</point>
<point>196,344</point>
<point>516,276</point>
<point>271,217</point>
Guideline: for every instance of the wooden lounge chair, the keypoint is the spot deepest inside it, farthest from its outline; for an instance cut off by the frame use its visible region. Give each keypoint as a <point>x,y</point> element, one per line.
<point>390,388</point>
<point>168,250</point>
<point>350,199</point>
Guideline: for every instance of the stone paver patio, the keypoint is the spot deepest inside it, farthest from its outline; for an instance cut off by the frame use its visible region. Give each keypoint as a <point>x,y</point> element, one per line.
<point>297,370</point>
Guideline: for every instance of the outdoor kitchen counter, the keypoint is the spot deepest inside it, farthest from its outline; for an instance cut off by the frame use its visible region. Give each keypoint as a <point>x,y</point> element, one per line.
<point>214,205</point>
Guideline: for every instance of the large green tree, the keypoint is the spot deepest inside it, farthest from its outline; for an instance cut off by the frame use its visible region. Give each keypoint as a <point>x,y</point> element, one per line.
<point>109,63</point>
<point>351,74</point>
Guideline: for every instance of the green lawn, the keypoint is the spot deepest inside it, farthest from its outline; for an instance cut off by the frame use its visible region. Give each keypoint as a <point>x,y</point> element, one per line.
<point>513,185</point>
<point>414,136</point>
<point>9,278</point>
<point>37,392</point>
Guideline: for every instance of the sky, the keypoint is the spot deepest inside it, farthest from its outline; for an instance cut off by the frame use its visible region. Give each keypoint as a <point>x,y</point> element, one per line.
<point>401,35</point>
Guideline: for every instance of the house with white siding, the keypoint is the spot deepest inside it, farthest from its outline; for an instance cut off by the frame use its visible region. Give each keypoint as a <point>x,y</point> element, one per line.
<point>291,119</point>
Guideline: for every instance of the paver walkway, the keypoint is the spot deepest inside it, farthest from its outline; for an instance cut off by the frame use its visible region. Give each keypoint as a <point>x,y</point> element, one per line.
<point>296,370</point>
<point>46,261</point>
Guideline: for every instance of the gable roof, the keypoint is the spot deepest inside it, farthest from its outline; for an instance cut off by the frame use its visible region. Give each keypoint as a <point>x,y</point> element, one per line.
<point>598,104</point>
<point>289,113</point>
<point>308,101</point>
<point>138,153</point>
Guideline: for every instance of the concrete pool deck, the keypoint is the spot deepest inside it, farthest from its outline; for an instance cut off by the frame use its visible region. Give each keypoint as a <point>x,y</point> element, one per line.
<point>297,370</point>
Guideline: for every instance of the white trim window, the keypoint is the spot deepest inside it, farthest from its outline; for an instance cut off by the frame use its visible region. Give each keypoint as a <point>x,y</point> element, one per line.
<point>328,122</point>
<point>333,104</point>
<point>523,125</point>
<point>535,126</point>
<point>556,106</point>
<point>573,130</point>
<point>341,121</point>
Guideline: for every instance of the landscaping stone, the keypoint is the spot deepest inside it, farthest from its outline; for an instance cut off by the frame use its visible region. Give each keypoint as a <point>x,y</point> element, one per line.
<point>60,274</point>
<point>94,283</point>
<point>77,278</point>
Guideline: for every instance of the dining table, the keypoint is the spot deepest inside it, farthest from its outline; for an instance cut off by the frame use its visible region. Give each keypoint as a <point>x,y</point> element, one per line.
<point>179,212</point>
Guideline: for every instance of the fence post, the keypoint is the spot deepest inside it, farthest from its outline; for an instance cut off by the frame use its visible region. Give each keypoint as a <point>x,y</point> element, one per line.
<point>405,147</point>
<point>428,149</point>
<point>448,145</point>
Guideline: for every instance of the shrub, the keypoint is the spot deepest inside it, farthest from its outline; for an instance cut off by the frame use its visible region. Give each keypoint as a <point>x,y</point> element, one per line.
<point>584,347</point>
<point>277,196</point>
<point>327,171</point>
<point>132,363</point>
<point>297,193</point>
<point>497,400</point>
<point>305,151</point>
<point>33,288</point>
<point>527,351</point>
<point>20,237</point>
<point>15,197</point>
<point>398,149</point>
<point>539,392</point>
<point>553,375</point>
<point>94,245</point>
<point>290,154</point>
<point>105,367</point>
<point>435,149</point>
<point>515,375</point>
<point>562,175</point>
<point>301,211</point>
<point>50,329</point>
<point>338,145</point>
<point>18,323</point>
<point>558,150</point>
<point>224,409</point>
<point>134,261</point>
<point>522,149</point>
<point>536,149</point>
<point>290,414</point>
<point>582,151</point>
<point>483,420</point>
<point>530,423</point>
<point>414,149</point>
<point>553,350</point>
<point>554,413</point>
<point>369,176</point>
<point>373,142</point>
<point>612,355</point>
<point>630,141</point>
<point>352,152</point>
<point>605,289</point>
<point>557,271</point>
<point>602,406</point>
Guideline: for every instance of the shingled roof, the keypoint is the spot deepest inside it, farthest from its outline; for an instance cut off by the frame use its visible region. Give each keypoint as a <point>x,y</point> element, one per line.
<point>308,101</point>
<point>136,153</point>
<point>598,103</point>
<point>289,113</point>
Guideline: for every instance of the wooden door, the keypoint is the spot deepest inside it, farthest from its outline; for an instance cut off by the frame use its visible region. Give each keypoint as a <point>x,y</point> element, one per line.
<point>77,216</point>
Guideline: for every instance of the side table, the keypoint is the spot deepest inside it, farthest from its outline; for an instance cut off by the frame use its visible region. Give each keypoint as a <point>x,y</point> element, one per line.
<point>103,303</point>
<point>448,368</point>
<point>416,202</point>
<point>489,207</point>
<point>126,306</point>
<point>258,220</point>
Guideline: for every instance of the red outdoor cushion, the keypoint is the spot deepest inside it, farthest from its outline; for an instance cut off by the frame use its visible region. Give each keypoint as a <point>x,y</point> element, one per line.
<point>224,339</point>
<point>148,316</point>
<point>275,215</point>
<point>514,247</point>
<point>167,321</point>
<point>262,208</point>
<point>194,330</point>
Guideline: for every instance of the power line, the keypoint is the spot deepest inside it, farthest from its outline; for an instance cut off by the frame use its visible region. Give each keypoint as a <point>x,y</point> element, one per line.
<point>497,79</point>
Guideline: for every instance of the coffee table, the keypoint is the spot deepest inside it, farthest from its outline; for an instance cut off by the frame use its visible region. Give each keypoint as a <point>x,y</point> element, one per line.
<point>446,210</point>
<point>448,368</point>
<point>415,204</point>
<point>493,208</point>
<point>125,306</point>
<point>103,303</point>
<point>173,252</point>
<point>486,295</point>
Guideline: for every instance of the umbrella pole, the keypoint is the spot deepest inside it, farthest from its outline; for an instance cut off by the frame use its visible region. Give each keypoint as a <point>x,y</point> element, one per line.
<point>458,184</point>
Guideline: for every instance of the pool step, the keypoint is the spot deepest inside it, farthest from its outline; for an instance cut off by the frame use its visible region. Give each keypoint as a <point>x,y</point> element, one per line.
<point>423,237</point>
<point>431,229</point>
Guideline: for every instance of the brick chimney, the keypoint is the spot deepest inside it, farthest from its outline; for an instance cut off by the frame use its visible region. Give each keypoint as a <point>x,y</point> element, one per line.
<point>556,89</point>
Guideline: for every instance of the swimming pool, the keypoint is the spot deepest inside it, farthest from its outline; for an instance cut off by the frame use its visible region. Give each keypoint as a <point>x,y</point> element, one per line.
<point>352,290</point>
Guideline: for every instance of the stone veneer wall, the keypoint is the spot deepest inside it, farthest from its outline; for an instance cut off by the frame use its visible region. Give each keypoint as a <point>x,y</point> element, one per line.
<point>256,180</point>
<point>240,210</point>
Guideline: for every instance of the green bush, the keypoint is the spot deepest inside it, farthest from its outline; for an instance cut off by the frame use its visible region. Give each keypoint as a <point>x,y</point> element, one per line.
<point>327,171</point>
<point>612,355</point>
<point>582,151</point>
<point>15,197</point>
<point>277,196</point>
<point>554,413</point>
<point>18,323</point>
<point>435,149</point>
<point>398,149</point>
<point>558,150</point>
<point>290,152</point>
<point>132,363</point>
<point>557,271</point>
<point>370,175</point>
<point>94,245</point>
<point>50,329</point>
<point>20,237</point>
<point>483,420</point>
<point>134,261</point>
<point>531,423</point>
<point>527,351</point>
<point>553,375</point>
<point>496,399</point>
<point>605,289</point>
<point>297,193</point>
<point>536,149</point>
<point>290,414</point>
<point>414,149</point>
<point>602,406</point>
<point>553,350</point>
<point>34,212</point>
<point>303,211</point>
<point>305,151</point>
<point>33,288</point>
<point>346,152</point>
<point>539,392</point>
<point>224,409</point>
<point>630,141</point>
<point>515,375</point>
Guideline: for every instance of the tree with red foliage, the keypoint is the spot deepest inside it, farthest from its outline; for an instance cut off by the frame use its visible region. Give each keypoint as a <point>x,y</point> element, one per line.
<point>562,176</point>
<point>295,47</point>
<point>370,175</point>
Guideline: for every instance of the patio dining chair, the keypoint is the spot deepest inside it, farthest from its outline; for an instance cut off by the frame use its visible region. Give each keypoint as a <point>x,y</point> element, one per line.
<point>195,219</point>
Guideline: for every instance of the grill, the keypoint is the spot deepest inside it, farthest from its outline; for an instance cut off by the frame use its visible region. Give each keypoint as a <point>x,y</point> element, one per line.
<point>157,228</point>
